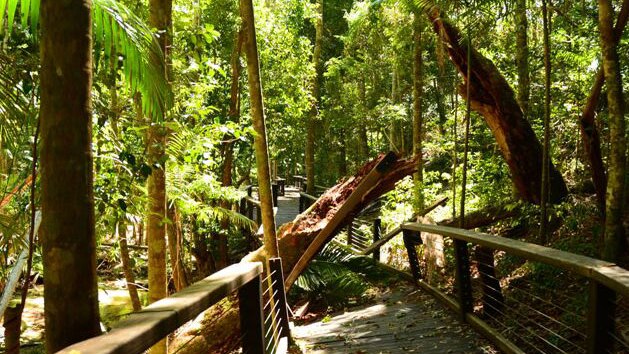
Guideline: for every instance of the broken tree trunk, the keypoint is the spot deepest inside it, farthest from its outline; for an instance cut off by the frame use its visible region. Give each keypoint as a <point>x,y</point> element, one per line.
<point>492,97</point>
<point>296,238</point>
<point>331,211</point>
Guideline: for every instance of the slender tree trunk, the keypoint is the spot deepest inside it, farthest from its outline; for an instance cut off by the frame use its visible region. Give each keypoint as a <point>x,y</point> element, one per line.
<point>175,238</point>
<point>342,153</point>
<point>68,232</point>
<point>316,94</point>
<point>589,131</point>
<point>543,237</point>
<point>260,142</point>
<point>418,119</point>
<point>160,18</point>
<point>468,118</point>
<point>362,129</point>
<point>121,234</point>
<point>228,149</point>
<point>614,229</point>
<point>522,56</point>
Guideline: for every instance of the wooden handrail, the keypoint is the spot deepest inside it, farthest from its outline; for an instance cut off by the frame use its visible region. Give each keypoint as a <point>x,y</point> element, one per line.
<point>252,201</point>
<point>142,329</point>
<point>606,273</point>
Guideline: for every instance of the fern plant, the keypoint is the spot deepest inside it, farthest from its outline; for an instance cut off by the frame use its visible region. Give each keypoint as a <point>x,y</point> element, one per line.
<point>336,275</point>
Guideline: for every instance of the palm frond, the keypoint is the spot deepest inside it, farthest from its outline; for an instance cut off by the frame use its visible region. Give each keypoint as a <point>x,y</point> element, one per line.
<point>119,32</point>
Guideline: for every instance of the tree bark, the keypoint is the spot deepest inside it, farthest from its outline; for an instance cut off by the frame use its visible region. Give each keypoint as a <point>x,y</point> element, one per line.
<point>260,142</point>
<point>68,232</point>
<point>160,18</point>
<point>493,98</point>
<point>587,122</point>
<point>522,56</point>
<point>311,124</point>
<point>614,229</point>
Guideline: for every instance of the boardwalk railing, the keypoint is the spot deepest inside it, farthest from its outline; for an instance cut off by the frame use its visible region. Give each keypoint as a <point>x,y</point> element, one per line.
<point>140,330</point>
<point>525,297</point>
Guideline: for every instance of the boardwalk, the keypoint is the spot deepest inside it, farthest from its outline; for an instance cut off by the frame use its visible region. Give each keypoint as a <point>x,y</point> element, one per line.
<point>288,206</point>
<point>405,320</point>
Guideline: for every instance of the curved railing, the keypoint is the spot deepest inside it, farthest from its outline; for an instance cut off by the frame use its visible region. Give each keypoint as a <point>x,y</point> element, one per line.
<point>518,314</point>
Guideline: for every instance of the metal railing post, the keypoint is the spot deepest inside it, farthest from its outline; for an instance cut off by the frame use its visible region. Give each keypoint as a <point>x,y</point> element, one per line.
<point>600,320</point>
<point>463,277</point>
<point>251,317</point>
<point>412,239</point>
<point>377,229</point>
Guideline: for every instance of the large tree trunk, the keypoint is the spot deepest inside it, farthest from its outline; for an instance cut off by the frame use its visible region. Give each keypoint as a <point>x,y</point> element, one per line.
<point>294,239</point>
<point>614,229</point>
<point>311,124</point>
<point>493,98</point>
<point>160,18</point>
<point>259,125</point>
<point>589,131</point>
<point>68,233</point>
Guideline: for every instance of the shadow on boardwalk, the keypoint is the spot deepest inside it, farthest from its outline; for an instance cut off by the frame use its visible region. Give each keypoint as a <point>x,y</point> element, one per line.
<point>404,320</point>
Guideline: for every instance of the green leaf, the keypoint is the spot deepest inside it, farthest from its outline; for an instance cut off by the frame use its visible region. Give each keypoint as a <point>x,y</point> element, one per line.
<point>3,7</point>
<point>11,14</point>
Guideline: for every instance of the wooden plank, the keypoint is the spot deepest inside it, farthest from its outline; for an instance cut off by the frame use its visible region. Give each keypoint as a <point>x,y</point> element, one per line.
<point>144,328</point>
<point>365,185</point>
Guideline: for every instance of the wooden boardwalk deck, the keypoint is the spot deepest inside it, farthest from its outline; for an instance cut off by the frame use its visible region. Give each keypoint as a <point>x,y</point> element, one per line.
<point>405,320</point>
<point>288,206</point>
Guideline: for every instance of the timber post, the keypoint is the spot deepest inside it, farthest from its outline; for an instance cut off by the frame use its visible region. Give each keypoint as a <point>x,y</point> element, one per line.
<point>377,229</point>
<point>600,318</point>
<point>463,277</point>
<point>251,317</point>
<point>275,191</point>
<point>412,239</point>
<point>277,277</point>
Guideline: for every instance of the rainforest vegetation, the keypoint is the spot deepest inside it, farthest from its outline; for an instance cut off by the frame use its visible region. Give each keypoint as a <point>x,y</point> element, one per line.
<point>131,129</point>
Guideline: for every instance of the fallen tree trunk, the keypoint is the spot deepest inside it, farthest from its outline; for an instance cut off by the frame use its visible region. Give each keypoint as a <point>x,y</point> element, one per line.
<point>294,238</point>
<point>494,99</point>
